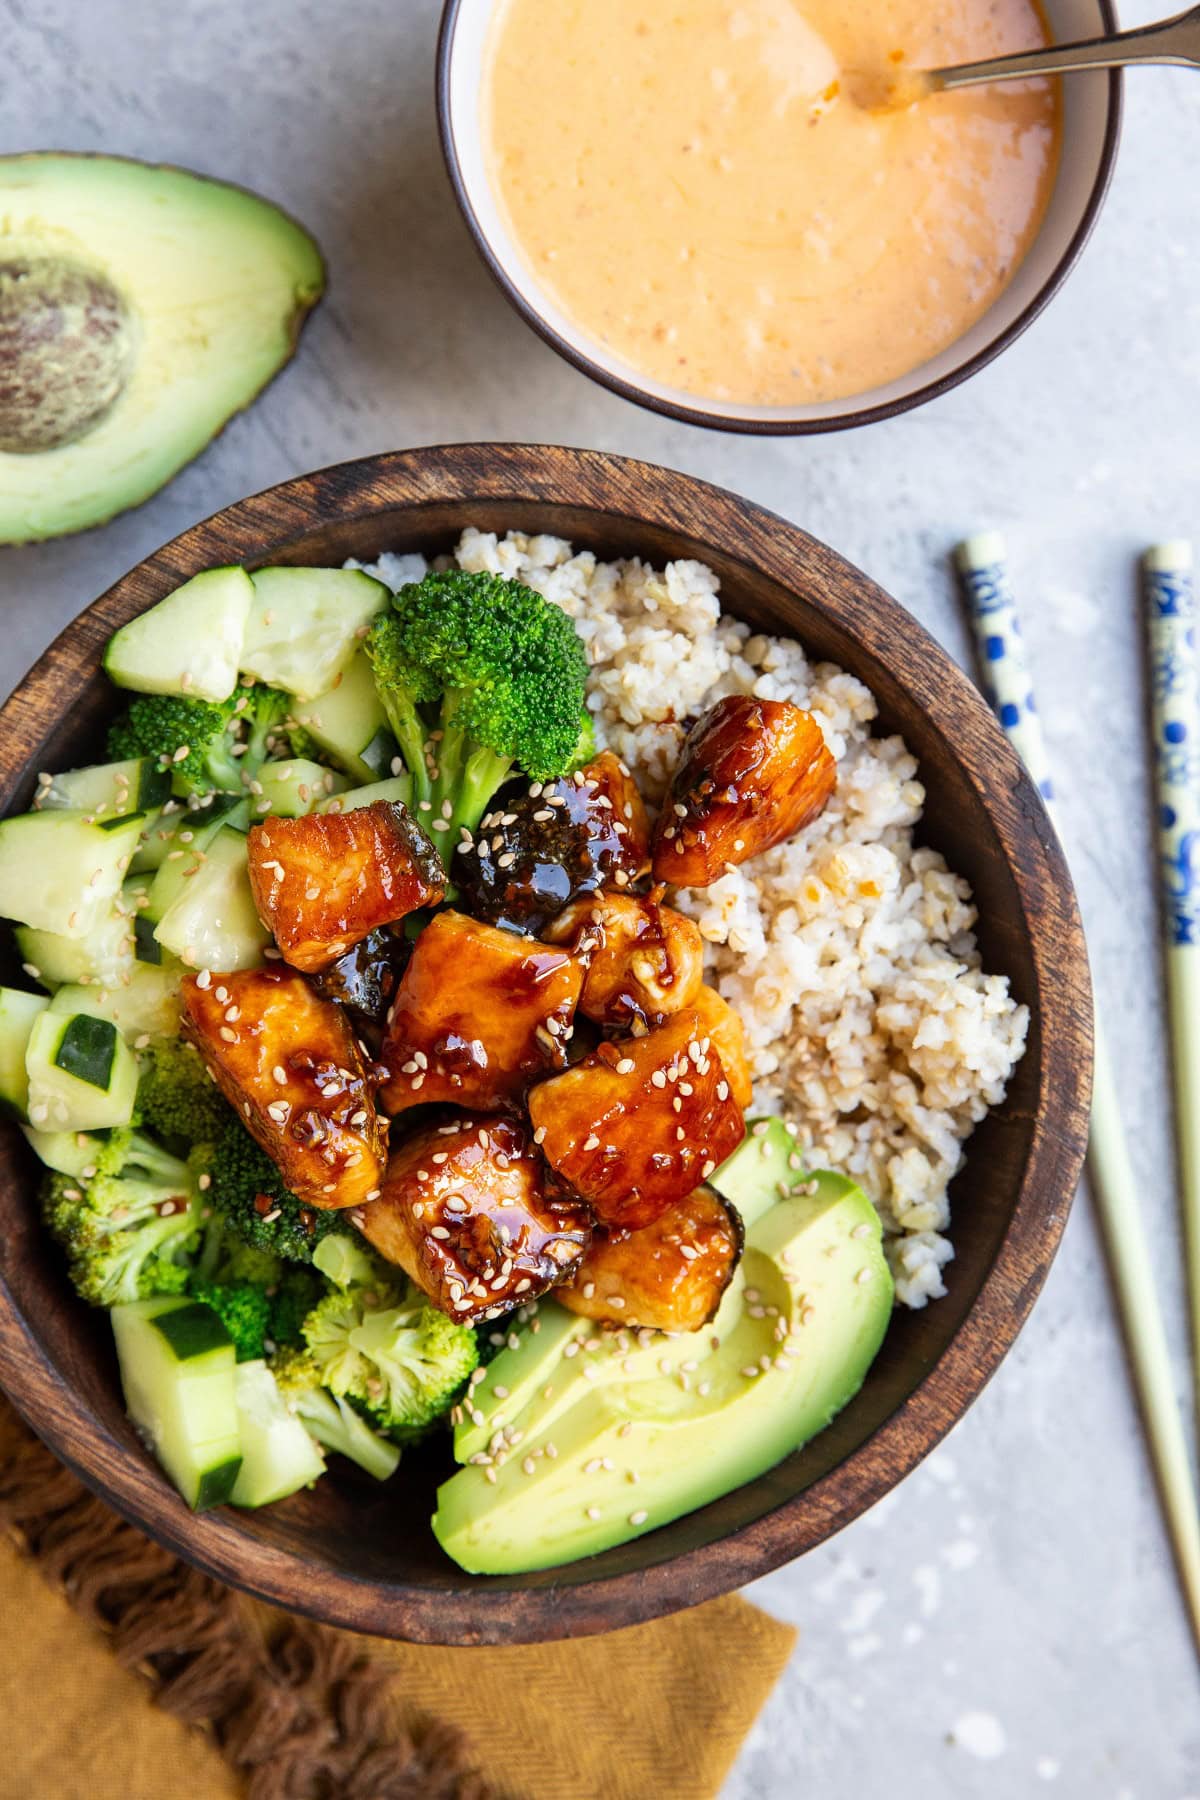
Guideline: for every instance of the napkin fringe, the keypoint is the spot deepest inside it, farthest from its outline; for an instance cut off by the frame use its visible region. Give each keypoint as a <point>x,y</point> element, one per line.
<point>301,1715</point>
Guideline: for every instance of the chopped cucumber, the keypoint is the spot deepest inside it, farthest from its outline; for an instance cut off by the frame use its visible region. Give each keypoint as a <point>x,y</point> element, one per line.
<point>178,1372</point>
<point>146,947</point>
<point>82,1074</point>
<point>350,724</point>
<point>396,787</point>
<point>213,923</point>
<point>305,626</point>
<point>87,1049</point>
<point>60,872</point>
<point>70,1152</point>
<point>17,1014</point>
<point>146,1000</point>
<point>190,643</point>
<point>278,1455</point>
<point>103,956</point>
<point>187,855</point>
<point>161,835</point>
<point>295,787</point>
<point>109,790</point>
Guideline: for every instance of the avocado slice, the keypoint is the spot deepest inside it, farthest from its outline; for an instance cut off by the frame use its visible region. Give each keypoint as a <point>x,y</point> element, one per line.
<point>633,1430</point>
<point>765,1167</point>
<point>140,308</point>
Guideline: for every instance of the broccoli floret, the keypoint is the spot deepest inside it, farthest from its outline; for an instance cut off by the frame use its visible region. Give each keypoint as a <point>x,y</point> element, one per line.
<point>176,1095</point>
<point>248,1190</point>
<point>477,673</point>
<point>130,1227</point>
<point>333,1422</point>
<point>329,1330</point>
<point>298,1290</point>
<point>398,1360</point>
<point>225,1256</point>
<point>226,742</point>
<point>302,743</point>
<point>243,1310</point>
<point>585,744</point>
<point>418,1360</point>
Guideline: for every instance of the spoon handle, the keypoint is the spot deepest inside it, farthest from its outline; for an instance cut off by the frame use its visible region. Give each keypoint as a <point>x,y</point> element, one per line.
<point>1174,40</point>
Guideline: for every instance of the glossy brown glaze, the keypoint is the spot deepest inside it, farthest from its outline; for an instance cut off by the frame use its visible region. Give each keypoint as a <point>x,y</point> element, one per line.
<point>287,1061</point>
<point>643,959</point>
<point>323,881</point>
<point>544,844</point>
<point>640,1123</point>
<point>669,1276</point>
<point>365,979</point>
<point>751,773</point>
<point>465,1213</point>
<point>362,1556</point>
<point>479,1014</point>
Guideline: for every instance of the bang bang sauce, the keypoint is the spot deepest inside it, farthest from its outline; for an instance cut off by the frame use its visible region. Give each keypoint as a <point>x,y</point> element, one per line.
<point>696,188</point>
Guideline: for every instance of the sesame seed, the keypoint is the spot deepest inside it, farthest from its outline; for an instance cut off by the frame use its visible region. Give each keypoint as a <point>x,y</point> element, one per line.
<point>591,1143</point>
<point>626,1066</point>
<point>706,1169</point>
<point>440,1232</point>
<point>638,1518</point>
<point>227,1036</point>
<point>592,1512</point>
<point>864,1275</point>
<point>722,1090</point>
<point>659,1079</point>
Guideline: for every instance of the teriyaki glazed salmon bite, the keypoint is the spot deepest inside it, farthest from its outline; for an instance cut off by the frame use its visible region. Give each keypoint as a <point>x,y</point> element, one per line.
<point>498,996</point>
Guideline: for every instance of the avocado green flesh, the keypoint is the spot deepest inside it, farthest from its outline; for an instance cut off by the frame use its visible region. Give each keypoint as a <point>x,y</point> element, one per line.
<point>811,1299</point>
<point>765,1163</point>
<point>174,300</point>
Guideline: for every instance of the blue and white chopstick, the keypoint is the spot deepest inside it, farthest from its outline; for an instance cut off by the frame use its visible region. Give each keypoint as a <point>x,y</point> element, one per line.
<point>1169,604</point>
<point>1008,685</point>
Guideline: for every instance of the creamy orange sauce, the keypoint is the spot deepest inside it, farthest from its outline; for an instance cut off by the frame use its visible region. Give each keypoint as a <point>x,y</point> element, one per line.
<point>693,183</point>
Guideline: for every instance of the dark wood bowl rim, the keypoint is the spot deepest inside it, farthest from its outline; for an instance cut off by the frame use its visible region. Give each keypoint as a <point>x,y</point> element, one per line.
<point>471,1612</point>
<point>852,415</point>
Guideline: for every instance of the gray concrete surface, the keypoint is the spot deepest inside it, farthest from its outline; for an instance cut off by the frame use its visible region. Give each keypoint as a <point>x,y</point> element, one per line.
<point>1007,1624</point>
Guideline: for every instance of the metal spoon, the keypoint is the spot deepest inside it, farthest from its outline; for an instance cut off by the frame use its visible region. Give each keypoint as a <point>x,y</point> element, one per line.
<point>1174,40</point>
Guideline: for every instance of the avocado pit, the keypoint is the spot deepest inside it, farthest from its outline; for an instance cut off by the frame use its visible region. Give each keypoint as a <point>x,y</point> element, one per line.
<point>66,351</point>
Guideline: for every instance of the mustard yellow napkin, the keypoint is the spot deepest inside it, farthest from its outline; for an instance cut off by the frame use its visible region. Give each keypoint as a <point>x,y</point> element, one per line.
<point>658,1710</point>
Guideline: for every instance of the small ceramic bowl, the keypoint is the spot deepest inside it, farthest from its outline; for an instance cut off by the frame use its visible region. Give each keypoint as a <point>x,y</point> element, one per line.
<point>362,1555</point>
<point>1091,125</point>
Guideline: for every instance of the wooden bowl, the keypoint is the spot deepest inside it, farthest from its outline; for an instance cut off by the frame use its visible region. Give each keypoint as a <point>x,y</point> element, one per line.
<point>362,1556</point>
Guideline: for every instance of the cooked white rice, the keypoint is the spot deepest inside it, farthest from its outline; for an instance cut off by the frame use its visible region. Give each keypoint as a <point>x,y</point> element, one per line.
<point>848,951</point>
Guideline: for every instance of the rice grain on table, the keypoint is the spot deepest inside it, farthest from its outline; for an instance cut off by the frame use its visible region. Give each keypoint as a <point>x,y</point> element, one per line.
<point>849,951</point>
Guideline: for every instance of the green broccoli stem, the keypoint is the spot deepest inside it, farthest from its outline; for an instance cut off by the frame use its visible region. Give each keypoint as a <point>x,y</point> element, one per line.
<point>336,1426</point>
<point>411,734</point>
<point>468,774</point>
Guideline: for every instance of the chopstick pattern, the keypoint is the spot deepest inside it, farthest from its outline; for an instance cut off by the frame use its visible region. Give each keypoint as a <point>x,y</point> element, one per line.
<point>1114,1183</point>
<point>1170,607</point>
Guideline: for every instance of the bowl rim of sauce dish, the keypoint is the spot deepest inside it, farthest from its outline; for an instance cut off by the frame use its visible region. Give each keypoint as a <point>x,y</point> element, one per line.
<point>360,1555</point>
<point>525,294</point>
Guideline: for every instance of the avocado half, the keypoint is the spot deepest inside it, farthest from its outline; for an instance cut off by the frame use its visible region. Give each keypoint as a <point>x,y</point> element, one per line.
<point>140,308</point>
